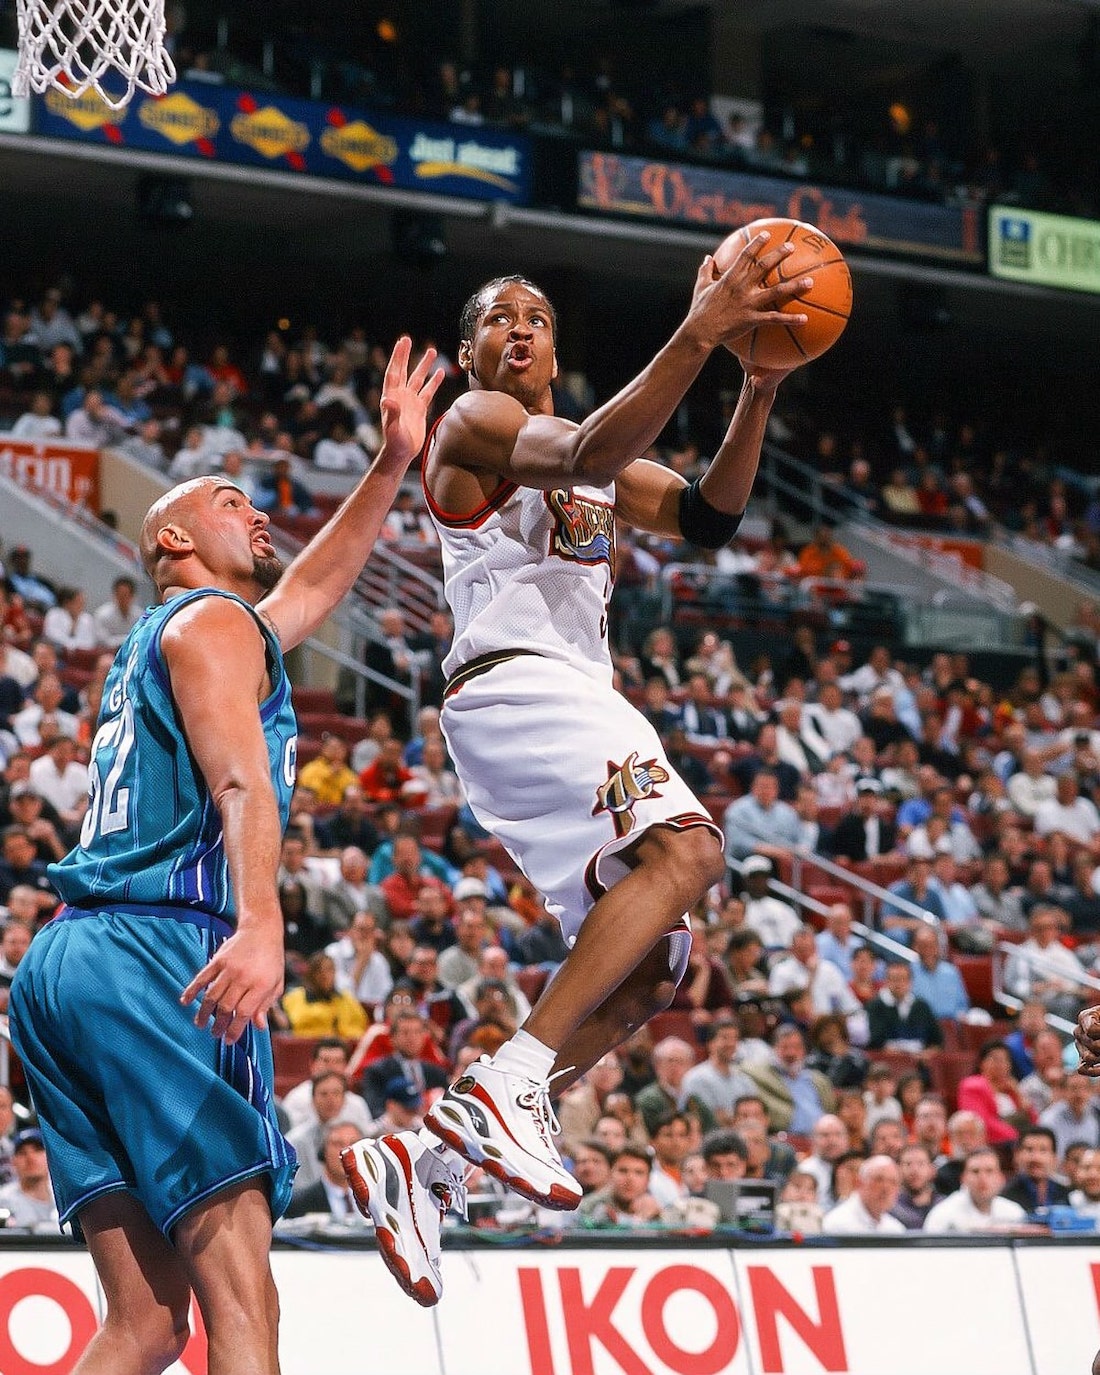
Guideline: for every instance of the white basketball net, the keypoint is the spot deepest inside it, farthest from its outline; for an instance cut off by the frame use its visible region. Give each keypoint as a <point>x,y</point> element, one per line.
<point>73,44</point>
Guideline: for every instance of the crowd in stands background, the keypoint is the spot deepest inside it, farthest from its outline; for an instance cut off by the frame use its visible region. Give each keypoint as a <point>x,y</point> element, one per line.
<point>798,1054</point>
<point>414,943</point>
<point>911,148</point>
<point>296,404</point>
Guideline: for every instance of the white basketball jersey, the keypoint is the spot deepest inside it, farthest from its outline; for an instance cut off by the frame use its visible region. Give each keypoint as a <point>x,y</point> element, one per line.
<point>531,570</point>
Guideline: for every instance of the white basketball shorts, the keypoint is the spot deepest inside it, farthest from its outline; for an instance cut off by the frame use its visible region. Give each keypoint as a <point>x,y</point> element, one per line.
<point>565,773</point>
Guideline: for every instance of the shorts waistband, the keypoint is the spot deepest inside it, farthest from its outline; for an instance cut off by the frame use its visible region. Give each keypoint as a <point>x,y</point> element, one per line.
<point>205,921</point>
<point>482,664</point>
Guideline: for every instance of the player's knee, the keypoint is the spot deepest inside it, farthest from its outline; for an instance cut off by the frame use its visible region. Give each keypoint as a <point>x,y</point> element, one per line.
<point>660,975</point>
<point>664,991</point>
<point>274,1313</point>
<point>696,856</point>
<point>160,1335</point>
<point>248,1304</point>
<point>176,1343</point>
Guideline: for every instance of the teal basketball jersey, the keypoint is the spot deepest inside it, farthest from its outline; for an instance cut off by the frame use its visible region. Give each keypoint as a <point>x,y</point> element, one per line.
<point>152,834</point>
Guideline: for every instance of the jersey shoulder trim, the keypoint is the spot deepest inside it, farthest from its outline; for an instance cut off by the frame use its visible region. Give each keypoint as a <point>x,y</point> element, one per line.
<point>461,520</point>
<point>471,520</point>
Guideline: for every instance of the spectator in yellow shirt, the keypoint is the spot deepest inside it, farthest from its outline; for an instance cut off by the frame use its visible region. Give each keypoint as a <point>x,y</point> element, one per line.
<point>317,1008</point>
<point>328,774</point>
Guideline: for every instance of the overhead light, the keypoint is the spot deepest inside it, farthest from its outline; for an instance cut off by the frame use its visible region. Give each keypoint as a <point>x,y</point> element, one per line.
<point>901,121</point>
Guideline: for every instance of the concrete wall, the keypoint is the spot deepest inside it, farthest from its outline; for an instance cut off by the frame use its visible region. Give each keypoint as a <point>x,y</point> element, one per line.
<point>63,550</point>
<point>1056,598</point>
<point>128,489</point>
<point>895,570</point>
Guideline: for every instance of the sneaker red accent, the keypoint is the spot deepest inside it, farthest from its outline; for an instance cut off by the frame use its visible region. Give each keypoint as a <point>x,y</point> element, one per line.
<point>504,1123</point>
<point>404,1188</point>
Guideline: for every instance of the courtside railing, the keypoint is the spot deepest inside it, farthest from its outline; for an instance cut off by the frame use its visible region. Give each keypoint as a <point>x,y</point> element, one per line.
<point>1007,959</point>
<point>872,895</point>
<point>387,580</point>
<point>886,945</point>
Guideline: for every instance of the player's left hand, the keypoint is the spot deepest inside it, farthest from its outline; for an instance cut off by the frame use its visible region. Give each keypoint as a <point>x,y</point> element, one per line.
<point>238,985</point>
<point>406,399</point>
<point>1087,1039</point>
<point>765,379</point>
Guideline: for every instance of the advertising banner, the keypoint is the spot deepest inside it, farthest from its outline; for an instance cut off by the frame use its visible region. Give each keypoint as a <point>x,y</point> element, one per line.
<point>709,1312</point>
<point>1054,1284</point>
<point>1047,250</point>
<point>677,193</point>
<point>15,115</point>
<point>647,1310</point>
<point>221,124</point>
<point>70,471</point>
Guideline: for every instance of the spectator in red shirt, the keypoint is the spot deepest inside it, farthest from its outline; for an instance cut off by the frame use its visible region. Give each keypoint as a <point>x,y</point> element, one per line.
<point>402,887</point>
<point>931,497</point>
<point>384,778</point>
<point>995,1096</point>
<point>223,369</point>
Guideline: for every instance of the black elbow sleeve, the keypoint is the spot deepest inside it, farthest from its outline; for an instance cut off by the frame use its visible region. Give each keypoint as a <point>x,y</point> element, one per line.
<point>703,524</point>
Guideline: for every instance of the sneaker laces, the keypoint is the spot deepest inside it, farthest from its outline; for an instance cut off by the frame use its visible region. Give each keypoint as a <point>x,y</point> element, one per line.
<point>537,1098</point>
<point>448,1185</point>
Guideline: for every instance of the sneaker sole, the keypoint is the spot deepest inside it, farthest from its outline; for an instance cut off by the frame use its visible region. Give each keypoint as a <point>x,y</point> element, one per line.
<point>560,1199</point>
<point>422,1290</point>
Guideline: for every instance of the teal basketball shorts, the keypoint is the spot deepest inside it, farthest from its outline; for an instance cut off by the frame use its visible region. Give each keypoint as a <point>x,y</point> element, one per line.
<point>130,1094</point>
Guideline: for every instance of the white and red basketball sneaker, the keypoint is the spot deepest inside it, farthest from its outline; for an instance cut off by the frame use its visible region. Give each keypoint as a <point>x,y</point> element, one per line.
<point>504,1123</point>
<point>405,1188</point>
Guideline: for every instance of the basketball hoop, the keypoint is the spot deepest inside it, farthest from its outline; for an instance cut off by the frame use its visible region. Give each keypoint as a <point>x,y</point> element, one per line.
<point>71,45</point>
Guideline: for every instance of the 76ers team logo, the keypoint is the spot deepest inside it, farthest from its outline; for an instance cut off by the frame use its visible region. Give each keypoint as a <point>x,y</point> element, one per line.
<point>627,784</point>
<point>584,530</point>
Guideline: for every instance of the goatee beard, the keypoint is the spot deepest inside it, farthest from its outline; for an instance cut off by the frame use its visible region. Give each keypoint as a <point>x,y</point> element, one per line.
<point>267,571</point>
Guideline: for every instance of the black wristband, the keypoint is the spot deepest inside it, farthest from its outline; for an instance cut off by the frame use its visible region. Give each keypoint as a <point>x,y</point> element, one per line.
<point>703,524</point>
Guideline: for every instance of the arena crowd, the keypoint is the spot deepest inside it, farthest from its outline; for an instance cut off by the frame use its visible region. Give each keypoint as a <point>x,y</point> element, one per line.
<point>870,1074</point>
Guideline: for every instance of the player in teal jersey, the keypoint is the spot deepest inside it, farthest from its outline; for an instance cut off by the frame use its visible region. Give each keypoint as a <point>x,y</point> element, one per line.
<point>140,1012</point>
<point>152,835</point>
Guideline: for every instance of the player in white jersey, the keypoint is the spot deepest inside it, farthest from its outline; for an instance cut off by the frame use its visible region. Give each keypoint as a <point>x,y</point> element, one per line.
<point>555,763</point>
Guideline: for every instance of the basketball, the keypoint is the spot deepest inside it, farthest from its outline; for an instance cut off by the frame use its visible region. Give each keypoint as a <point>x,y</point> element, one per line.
<point>827,305</point>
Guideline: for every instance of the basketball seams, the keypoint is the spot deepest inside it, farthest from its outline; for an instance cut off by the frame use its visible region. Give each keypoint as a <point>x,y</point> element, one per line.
<point>808,269</point>
<point>793,337</point>
<point>779,344</point>
<point>824,310</point>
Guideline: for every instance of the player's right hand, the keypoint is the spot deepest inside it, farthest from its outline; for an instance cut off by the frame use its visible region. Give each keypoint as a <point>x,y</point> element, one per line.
<point>239,985</point>
<point>726,305</point>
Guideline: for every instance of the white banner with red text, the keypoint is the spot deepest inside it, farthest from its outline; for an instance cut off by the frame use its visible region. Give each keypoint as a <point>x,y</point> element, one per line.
<point>700,1310</point>
<point>54,466</point>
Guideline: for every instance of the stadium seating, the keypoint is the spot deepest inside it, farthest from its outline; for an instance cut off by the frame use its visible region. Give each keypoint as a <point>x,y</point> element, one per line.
<point>977,977</point>
<point>292,1056</point>
<point>675,1022</point>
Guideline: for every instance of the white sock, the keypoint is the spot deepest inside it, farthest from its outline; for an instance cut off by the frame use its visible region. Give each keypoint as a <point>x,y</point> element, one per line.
<point>428,1138</point>
<point>523,1054</point>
